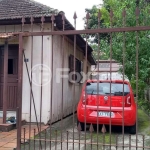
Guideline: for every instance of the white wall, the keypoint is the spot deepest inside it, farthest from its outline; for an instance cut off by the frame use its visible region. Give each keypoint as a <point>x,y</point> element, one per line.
<point>41,95</point>
<point>69,97</point>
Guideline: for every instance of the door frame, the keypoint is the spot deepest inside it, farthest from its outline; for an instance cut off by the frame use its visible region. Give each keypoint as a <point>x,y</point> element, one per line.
<point>5,79</point>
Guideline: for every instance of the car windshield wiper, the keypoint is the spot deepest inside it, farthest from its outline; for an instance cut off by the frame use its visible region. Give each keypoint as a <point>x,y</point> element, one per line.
<point>109,93</point>
<point>90,93</point>
<point>121,93</point>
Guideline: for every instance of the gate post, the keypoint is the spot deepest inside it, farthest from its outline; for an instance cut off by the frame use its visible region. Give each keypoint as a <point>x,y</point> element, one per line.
<point>5,81</point>
<point>19,101</point>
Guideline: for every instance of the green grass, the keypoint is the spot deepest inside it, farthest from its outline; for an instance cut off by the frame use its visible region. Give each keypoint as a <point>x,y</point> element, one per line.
<point>47,134</point>
<point>100,137</point>
<point>104,138</point>
<point>143,122</point>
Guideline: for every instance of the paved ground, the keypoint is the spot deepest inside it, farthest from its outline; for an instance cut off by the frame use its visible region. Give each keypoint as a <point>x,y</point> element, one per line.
<point>64,133</point>
<point>8,140</point>
<point>67,132</point>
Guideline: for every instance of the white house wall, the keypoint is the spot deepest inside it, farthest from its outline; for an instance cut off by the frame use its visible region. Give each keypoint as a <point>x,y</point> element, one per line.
<point>68,88</point>
<point>41,104</point>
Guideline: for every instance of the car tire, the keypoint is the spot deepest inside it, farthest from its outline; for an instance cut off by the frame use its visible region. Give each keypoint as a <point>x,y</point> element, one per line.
<point>81,124</point>
<point>132,129</point>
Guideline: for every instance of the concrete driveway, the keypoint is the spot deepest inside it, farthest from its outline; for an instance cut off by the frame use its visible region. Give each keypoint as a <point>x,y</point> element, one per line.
<point>66,131</point>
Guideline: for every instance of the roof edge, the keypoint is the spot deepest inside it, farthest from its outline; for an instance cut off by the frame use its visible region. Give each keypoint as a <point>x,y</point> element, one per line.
<point>58,18</point>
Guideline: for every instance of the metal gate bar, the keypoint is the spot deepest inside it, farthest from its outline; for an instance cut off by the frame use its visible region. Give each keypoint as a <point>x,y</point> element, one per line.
<point>91,31</point>
<point>93,143</point>
<point>137,64</point>
<point>31,92</point>
<point>51,102</point>
<point>59,136</point>
<point>20,71</point>
<point>5,81</point>
<point>74,53</point>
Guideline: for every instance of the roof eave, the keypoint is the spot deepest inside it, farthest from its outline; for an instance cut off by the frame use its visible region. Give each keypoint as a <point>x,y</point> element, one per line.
<point>18,21</point>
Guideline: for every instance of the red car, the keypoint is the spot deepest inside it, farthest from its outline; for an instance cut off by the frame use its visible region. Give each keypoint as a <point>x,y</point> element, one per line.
<point>106,101</point>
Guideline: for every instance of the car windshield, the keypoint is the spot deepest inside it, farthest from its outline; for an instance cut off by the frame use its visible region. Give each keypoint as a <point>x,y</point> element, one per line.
<point>106,88</point>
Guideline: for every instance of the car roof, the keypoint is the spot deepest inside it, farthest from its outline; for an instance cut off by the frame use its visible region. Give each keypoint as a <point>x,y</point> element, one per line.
<point>112,81</point>
<point>111,76</point>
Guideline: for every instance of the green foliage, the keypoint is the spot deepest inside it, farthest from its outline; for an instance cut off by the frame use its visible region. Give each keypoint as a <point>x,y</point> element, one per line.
<point>101,52</point>
<point>125,45</point>
<point>143,121</point>
<point>145,105</point>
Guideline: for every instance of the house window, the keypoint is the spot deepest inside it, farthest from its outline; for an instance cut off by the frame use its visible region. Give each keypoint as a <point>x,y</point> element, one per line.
<point>10,66</point>
<point>75,75</point>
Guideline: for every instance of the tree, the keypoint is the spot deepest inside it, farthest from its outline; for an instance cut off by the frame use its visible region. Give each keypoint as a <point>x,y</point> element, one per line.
<point>131,38</point>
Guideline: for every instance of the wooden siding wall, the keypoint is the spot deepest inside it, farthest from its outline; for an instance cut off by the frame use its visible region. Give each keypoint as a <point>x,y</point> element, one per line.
<point>69,98</point>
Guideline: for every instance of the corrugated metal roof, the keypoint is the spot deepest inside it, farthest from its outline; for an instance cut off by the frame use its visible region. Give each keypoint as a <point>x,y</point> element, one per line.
<point>104,66</point>
<point>16,9</point>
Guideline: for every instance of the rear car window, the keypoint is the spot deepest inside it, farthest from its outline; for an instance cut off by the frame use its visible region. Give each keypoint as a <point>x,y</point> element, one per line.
<point>106,88</point>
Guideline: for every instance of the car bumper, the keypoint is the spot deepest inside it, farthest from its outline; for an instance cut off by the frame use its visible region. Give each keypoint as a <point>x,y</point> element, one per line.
<point>128,118</point>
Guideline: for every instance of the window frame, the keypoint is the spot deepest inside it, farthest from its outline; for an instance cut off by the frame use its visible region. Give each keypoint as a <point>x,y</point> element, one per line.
<point>78,68</point>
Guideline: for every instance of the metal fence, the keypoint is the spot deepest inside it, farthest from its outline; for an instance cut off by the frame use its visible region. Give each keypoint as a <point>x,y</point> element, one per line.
<point>66,134</point>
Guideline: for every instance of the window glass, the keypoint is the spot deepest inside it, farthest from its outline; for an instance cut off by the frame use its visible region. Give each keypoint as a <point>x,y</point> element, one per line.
<point>77,77</point>
<point>105,88</point>
<point>10,66</point>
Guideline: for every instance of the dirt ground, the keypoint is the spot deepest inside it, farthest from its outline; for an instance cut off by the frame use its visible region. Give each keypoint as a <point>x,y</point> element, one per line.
<point>67,131</point>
